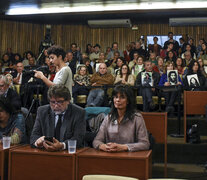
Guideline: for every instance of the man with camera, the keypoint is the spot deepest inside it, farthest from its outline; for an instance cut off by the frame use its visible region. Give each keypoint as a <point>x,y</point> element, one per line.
<point>63,74</point>
<point>58,121</point>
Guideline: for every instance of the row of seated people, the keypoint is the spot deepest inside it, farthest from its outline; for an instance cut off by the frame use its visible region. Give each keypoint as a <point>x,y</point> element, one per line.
<point>83,82</point>
<point>147,81</point>
<point>122,130</point>
<point>170,51</point>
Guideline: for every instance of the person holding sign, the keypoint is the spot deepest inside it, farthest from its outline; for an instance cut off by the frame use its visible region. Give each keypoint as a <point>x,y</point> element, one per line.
<point>168,79</point>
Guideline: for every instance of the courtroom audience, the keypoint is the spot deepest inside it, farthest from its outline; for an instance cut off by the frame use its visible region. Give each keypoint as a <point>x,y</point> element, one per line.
<point>138,48</point>
<point>88,50</point>
<point>203,68</point>
<point>180,67</point>
<point>203,50</point>
<point>152,58</point>
<point>125,77</point>
<point>86,62</point>
<point>124,128</point>
<point>81,83</point>
<point>197,82</point>
<point>101,78</point>
<point>170,95</point>
<point>138,66</point>
<point>120,61</point>
<point>76,54</point>
<point>173,41</point>
<point>134,61</point>
<point>6,61</point>
<point>12,122</point>
<point>114,49</point>
<point>144,81</point>
<point>28,55</point>
<point>160,65</point>
<point>189,49</point>
<point>127,52</point>
<point>170,57</point>
<point>156,48</point>
<point>9,93</point>
<point>95,55</point>
<point>193,47</point>
<point>187,58</point>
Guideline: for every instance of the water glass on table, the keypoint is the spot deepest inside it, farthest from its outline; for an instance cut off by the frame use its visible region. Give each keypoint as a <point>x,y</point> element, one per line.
<point>6,140</point>
<point>72,146</point>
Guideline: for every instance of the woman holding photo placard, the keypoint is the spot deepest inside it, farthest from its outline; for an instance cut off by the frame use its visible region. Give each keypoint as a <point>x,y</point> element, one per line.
<point>195,72</point>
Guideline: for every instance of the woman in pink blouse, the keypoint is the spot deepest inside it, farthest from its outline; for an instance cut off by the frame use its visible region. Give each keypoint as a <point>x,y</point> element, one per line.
<point>124,128</point>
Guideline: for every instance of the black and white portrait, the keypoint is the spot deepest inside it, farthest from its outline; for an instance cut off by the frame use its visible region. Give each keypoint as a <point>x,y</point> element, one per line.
<point>172,76</point>
<point>147,79</point>
<point>193,80</point>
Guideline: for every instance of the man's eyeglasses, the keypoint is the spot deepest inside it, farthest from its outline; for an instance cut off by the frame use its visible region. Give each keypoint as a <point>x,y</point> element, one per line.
<point>57,102</point>
<point>1,85</point>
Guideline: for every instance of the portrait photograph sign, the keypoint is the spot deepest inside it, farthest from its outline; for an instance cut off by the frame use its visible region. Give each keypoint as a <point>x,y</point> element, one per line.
<point>193,80</point>
<point>172,77</point>
<point>147,79</point>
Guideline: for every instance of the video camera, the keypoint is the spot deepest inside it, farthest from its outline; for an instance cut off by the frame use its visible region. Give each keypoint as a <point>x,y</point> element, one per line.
<point>29,70</point>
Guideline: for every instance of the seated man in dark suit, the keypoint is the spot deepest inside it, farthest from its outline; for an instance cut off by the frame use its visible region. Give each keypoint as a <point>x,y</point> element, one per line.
<point>19,76</point>
<point>60,119</point>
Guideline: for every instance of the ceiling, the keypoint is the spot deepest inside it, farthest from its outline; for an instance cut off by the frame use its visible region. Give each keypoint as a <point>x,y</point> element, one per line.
<point>82,17</point>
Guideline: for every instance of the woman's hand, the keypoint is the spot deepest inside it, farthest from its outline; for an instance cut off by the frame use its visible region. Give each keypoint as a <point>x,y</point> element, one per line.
<point>80,83</point>
<point>114,147</point>
<point>123,81</point>
<point>39,74</point>
<point>103,147</point>
<point>167,84</point>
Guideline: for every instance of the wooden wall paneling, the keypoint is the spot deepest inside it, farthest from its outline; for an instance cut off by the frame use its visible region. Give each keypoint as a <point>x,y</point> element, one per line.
<point>22,36</point>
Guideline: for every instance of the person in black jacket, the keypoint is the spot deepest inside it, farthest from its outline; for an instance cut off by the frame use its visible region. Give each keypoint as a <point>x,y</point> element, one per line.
<point>194,69</point>
<point>146,91</point>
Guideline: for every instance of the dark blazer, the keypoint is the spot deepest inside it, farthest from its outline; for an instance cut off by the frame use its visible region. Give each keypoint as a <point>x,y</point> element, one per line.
<point>73,126</point>
<point>14,98</point>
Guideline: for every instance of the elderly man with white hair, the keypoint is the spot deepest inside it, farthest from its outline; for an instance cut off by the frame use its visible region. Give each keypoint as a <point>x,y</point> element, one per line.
<point>96,95</point>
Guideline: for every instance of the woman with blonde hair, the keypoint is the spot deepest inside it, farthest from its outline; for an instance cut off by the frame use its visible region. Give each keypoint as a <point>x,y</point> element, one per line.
<point>81,81</point>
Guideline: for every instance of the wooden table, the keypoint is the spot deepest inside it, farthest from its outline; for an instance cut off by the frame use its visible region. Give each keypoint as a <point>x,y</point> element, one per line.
<point>4,155</point>
<point>194,103</point>
<point>31,163</point>
<point>156,124</point>
<point>132,164</point>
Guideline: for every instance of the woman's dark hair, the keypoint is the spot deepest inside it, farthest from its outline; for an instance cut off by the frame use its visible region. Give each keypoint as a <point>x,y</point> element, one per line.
<point>130,109</point>
<point>20,57</point>
<point>57,50</point>
<point>190,67</point>
<point>29,52</point>
<point>173,58</point>
<point>182,65</point>
<point>87,50</point>
<point>128,71</point>
<point>6,105</point>
<point>204,50</point>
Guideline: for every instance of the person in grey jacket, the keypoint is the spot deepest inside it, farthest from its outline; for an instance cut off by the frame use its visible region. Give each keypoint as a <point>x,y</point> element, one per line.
<point>123,129</point>
<point>60,120</point>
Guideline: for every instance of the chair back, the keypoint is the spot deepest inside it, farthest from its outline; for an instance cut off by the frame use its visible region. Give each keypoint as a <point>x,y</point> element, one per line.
<point>106,177</point>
